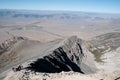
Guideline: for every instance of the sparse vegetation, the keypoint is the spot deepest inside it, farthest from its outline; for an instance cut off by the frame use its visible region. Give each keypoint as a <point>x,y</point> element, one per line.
<point>103,44</point>
<point>98,51</point>
<point>97,54</point>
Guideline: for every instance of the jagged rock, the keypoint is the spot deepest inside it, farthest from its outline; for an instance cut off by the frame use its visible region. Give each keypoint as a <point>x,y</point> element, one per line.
<point>9,43</point>
<point>70,55</point>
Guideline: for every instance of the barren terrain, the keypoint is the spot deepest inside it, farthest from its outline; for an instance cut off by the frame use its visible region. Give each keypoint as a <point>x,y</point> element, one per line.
<point>40,39</point>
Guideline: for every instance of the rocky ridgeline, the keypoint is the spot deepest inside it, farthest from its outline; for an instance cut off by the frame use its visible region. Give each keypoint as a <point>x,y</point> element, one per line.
<point>71,55</point>
<point>8,43</point>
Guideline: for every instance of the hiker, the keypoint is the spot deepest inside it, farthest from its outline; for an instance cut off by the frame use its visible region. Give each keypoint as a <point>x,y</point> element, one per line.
<point>19,68</point>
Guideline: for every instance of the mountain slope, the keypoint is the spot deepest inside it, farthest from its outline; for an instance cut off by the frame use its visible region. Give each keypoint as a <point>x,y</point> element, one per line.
<point>104,43</point>
<point>60,55</point>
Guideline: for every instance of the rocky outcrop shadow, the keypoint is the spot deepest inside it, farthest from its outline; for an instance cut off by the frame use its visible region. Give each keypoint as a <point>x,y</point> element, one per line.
<point>57,63</point>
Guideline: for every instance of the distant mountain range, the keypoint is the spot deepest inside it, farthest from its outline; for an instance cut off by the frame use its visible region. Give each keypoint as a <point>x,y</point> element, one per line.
<point>50,14</point>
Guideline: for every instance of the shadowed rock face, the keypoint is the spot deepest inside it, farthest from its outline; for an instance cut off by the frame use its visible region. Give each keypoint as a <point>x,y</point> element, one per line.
<point>117,78</point>
<point>69,56</point>
<point>57,62</point>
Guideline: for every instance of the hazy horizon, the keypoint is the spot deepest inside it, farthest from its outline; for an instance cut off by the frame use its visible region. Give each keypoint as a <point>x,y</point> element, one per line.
<point>101,6</point>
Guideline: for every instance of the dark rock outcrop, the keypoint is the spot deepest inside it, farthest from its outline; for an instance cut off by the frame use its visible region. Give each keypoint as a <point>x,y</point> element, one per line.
<point>70,55</point>
<point>117,78</point>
